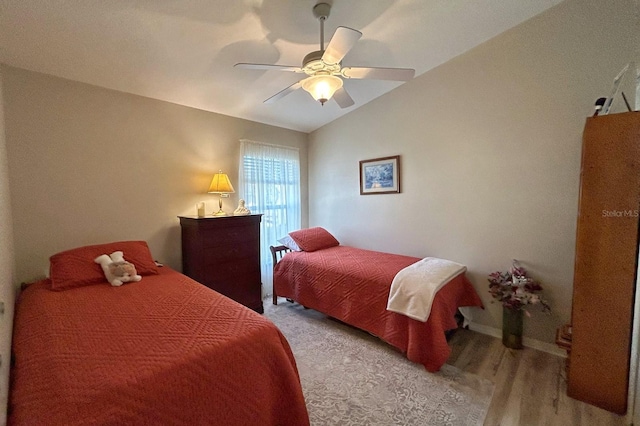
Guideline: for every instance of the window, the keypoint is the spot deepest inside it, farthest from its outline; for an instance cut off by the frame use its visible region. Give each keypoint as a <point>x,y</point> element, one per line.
<point>269,182</point>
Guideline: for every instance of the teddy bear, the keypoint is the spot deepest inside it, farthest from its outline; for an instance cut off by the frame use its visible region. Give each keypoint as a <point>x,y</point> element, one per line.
<point>117,270</point>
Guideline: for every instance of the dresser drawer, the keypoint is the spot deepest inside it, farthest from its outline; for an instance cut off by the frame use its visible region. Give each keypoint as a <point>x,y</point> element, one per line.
<point>238,280</point>
<point>234,270</point>
<point>215,254</point>
<point>229,236</point>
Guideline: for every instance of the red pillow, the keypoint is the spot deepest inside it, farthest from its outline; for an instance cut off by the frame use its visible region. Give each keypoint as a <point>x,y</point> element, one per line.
<point>75,267</point>
<point>312,239</point>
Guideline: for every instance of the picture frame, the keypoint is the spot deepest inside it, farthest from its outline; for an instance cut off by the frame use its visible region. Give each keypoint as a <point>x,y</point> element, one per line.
<point>380,175</point>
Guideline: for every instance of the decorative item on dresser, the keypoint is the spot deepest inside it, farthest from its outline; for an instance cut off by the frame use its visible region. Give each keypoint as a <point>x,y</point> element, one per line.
<point>223,253</point>
<point>606,261</point>
<point>241,210</point>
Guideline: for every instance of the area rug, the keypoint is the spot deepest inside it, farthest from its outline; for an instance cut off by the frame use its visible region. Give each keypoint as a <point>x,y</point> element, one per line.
<point>352,378</point>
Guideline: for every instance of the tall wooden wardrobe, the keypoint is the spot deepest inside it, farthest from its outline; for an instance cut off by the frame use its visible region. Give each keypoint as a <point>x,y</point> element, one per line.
<point>606,261</point>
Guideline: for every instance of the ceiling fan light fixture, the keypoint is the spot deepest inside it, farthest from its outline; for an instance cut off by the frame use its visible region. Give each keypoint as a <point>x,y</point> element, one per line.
<point>324,66</point>
<point>322,87</point>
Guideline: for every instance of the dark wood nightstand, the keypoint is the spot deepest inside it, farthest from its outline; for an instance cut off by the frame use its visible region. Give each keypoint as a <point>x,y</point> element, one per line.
<point>223,253</point>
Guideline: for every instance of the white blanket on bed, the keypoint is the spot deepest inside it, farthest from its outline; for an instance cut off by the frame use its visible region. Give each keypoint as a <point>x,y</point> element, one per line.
<point>414,287</point>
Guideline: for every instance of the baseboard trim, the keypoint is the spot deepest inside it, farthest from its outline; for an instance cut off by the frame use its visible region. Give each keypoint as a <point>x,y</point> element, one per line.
<point>526,341</point>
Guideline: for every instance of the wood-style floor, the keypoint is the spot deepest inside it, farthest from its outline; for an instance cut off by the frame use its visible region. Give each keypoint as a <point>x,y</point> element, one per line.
<point>530,385</point>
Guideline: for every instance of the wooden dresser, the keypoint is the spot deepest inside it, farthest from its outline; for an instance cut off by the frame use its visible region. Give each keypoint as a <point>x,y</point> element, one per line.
<point>223,253</point>
<point>606,261</point>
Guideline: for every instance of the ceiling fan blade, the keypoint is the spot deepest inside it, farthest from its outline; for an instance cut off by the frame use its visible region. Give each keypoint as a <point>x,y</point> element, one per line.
<point>268,67</point>
<point>281,94</point>
<point>342,98</point>
<point>395,74</point>
<point>341,43</point>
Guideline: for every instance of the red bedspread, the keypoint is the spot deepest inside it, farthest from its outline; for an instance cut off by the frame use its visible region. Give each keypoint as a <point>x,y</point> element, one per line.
<point>166,350</point>
<point>352,285</point>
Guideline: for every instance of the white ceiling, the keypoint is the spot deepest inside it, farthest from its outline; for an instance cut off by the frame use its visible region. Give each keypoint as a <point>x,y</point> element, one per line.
<point>183,51</point>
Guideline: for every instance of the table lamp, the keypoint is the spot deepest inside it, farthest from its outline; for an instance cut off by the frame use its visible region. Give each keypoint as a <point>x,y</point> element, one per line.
<point>220,184</point>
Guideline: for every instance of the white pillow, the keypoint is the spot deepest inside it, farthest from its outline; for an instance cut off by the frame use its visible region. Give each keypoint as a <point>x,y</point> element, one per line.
<point>288,242</point>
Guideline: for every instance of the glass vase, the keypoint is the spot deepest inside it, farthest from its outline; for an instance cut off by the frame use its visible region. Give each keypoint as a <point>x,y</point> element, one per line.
<point>512,325</point>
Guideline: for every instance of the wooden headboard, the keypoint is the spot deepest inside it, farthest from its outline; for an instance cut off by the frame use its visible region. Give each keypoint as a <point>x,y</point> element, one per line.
<point>277,252</point>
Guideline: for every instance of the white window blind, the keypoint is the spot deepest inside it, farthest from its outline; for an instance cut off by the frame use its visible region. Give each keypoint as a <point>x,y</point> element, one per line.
<point>269,182</point>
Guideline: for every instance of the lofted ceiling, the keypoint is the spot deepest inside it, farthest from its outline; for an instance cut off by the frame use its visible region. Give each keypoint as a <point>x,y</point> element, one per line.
<point>183,51</point>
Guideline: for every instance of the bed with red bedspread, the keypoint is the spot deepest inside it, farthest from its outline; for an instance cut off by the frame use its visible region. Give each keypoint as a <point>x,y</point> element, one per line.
<point>165,350</point>
<point>352,285</point>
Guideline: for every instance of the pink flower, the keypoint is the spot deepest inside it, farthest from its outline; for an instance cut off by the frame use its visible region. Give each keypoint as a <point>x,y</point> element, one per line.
<point>515,289</point>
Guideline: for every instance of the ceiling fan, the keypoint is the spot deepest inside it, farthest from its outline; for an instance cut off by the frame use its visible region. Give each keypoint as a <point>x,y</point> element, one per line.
<point>324,68</point>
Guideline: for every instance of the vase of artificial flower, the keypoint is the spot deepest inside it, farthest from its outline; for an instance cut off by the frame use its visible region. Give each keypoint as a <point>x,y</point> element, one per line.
<point>512,326</point>
<point>515,289</point>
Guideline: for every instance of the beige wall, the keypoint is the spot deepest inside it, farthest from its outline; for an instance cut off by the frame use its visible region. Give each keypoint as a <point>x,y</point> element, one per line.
<point>7,268</point>
<point>490,151</point>
<point>89,165</point>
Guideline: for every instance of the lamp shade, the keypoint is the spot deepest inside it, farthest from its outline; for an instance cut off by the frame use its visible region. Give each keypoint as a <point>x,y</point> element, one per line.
<point>322,86</point>
<point>220,184</point>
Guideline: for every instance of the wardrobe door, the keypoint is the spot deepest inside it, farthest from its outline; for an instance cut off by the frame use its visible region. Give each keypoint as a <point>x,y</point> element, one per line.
<point>606,261</point>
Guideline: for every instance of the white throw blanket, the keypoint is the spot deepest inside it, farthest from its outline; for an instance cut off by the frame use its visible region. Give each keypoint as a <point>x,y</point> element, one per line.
<point>414,287</point>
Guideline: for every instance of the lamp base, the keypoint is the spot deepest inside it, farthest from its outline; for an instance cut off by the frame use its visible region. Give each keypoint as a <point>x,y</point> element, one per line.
<point>219,213</point>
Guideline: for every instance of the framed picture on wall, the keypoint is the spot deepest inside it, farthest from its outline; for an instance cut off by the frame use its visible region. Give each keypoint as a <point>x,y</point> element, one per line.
<point>380,175</point>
